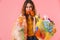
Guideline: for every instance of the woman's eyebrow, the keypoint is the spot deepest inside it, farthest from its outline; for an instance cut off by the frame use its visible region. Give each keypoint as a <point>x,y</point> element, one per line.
<point>30,6</point>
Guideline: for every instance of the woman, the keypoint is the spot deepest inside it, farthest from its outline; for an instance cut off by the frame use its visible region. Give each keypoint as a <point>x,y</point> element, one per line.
<point>25,29</point>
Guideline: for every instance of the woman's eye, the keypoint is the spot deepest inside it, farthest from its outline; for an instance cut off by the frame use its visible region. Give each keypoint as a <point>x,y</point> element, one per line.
<point>26,7</point>
<point>29,7</point>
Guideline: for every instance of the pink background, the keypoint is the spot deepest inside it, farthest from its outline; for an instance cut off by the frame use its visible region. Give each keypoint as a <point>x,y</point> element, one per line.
<point>10,9</point>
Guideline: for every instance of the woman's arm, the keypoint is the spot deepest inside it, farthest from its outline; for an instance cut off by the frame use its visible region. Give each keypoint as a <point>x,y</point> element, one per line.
<point>15,30</point>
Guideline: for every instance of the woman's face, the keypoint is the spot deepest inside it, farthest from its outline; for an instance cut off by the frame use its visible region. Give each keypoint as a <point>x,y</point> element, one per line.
<point>28,7</point>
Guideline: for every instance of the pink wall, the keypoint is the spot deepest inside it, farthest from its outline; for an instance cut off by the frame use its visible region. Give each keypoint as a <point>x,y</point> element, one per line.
<point>10,9</point>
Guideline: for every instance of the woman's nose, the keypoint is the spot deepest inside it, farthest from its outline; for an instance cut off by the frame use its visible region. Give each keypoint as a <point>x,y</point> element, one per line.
<point>28,9</point>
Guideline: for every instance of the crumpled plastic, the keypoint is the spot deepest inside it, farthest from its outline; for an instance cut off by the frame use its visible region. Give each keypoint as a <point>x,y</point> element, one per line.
<point>46,27</point>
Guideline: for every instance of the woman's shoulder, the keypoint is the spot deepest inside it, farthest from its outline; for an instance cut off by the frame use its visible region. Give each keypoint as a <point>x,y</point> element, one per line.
<point>21,16</point>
